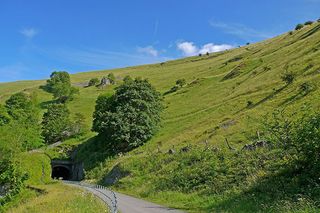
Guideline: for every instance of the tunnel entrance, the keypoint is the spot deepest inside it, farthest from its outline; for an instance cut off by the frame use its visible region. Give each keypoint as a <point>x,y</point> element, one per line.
<point>60,172</point>
<point>67,170</point>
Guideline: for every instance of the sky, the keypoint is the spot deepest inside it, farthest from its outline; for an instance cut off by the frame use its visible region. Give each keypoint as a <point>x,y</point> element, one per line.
<point>38,37</point>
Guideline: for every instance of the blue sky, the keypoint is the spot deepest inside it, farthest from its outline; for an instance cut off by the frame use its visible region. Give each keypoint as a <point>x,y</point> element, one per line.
<point>38,37</point>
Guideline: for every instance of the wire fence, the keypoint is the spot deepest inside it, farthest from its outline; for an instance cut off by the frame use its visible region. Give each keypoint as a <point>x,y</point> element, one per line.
<point>105,194</point>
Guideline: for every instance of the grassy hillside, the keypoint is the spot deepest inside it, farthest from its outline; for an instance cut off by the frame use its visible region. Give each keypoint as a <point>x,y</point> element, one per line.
<point>211,107</point>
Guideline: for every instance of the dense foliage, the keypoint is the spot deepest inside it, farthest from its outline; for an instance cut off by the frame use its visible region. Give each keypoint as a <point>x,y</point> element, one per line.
<point>23,114</point>
<point>56,122</point>
<point>93,82</point>
<point>130,117</point>
<point>19,131</point>
<point>59,85</point>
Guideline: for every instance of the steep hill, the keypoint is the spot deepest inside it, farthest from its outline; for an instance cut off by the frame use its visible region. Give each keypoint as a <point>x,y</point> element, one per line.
<point>226,96</point>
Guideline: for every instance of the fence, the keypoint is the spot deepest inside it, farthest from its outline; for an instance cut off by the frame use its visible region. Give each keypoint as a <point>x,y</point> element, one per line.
<point>104,193</point>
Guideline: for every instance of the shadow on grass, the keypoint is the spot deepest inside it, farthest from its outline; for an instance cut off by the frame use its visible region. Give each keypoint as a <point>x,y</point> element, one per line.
<point>92,152</point>
<point>290,190</point>
<point>253,105</point>
<point>294,98</point>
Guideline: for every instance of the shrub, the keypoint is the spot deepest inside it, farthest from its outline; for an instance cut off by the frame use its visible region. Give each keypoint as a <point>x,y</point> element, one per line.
<point>290,33</point>
<point>298,135</point>
<point>181,82</point>
<point>111,78</point>
<point>55,123</point>
<point>93,82</point>
<point>306,87</point>
<point>130,117</point>
<point>127,79</point>
<point>288,77</point>
<point>78,126</point>
<point>319,20</point>
<point>249,103</point>
<point>308,23</point>
<point>4,116</point>
<point>299,26</point>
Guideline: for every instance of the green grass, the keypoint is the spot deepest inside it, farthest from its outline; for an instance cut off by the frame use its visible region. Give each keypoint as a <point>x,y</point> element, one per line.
<point>212,107</point>
<point>60,198</point>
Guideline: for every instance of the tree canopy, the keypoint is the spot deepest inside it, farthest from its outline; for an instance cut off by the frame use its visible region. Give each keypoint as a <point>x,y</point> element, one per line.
<point>55,123</point>
<point>130,117</point>
<point>59,85</point>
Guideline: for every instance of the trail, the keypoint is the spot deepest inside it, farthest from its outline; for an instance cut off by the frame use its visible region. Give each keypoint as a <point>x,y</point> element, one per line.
<point>122,203</point>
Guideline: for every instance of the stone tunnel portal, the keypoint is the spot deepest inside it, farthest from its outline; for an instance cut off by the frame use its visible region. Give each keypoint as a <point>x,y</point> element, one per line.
<point>67,170</point>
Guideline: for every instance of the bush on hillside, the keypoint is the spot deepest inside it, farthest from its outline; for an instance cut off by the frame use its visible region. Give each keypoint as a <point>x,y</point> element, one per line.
<point>306,87</point>
<point>55,123</point>
<point>78,126</point>
<point>93,82</point>
<point>288,77</point>
<point>299,137</point>
<point>127,79</point>
<point>181,82</point>
<point>299,26</point>
<point>11,177</point>
<point>59,85</point>
<point>4,116</point>
<point>111,78</point>
<point>308,23</point>
<point>128,118</point>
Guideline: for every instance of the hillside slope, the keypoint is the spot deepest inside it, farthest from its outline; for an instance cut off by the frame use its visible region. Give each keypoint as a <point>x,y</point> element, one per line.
<point>213,106</point>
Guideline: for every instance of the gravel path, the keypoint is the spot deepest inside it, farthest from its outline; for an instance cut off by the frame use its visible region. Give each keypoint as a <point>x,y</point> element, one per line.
<point>125,203</point>
<point>128,204</point>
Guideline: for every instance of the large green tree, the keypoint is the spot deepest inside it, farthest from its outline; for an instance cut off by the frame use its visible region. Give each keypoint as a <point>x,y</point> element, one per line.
<point>130,117</point>
<point>59,85</point>
<point>55,123</point>
<point>24,115</point>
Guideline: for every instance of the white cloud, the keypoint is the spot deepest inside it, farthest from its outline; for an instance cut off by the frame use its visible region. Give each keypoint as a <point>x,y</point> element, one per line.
<point>212,48</point>
<point>29,32</point>
<point>240,30</point>
<point>190,49</point>
<point>149,50</point>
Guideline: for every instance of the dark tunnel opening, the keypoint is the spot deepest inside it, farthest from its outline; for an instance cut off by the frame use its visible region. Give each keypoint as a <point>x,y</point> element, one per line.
<point>60,172</point>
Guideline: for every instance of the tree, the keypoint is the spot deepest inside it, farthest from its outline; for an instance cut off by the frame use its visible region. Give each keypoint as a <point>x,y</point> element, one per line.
<point>23,112</point>
<point>111,78</point>
<point>299,26</point>
<point>59,85</point>
<point>18,105</point>
<point>93,82</point>
<point>130,117</point>
<point>55,123</point>
<point>181,82</point>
